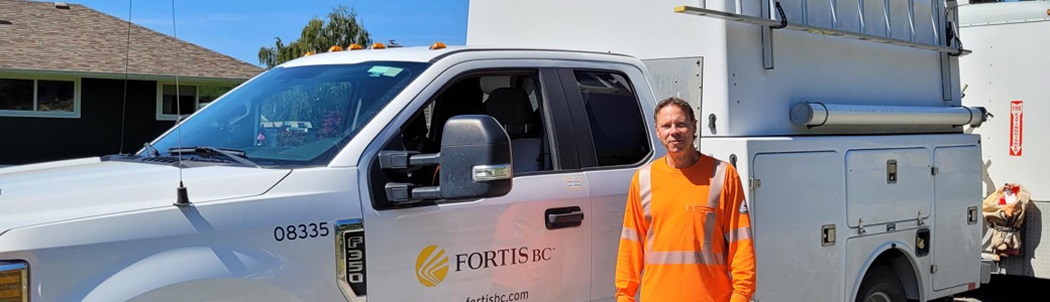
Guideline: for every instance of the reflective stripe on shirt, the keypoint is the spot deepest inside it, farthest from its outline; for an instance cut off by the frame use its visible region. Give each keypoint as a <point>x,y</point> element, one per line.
<point>630,234</point>
<point>684,257</point>
<point>715,191</point>
<point>645,192</point>
<point>743,233</point>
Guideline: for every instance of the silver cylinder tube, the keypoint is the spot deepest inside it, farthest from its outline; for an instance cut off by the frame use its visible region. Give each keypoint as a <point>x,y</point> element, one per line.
<point>820,114</point>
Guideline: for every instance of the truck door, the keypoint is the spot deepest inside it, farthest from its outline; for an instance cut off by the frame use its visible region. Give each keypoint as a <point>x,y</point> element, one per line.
<point>530,244</point>
<point>613,137</point>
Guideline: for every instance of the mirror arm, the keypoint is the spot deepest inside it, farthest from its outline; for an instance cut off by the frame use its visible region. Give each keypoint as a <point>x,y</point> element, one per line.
<point>426,193</point>
<point>404,193</point>
<point>419,160</point>
<point>405,159</point>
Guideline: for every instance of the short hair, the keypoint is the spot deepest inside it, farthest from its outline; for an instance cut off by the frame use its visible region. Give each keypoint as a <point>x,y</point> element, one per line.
<point>682,105</point>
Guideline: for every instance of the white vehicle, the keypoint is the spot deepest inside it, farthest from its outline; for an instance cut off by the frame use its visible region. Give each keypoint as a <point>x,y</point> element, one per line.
<point>1007,73</point>
<point>278,211</point>
<point>847,123</point>
<point>500,174</point>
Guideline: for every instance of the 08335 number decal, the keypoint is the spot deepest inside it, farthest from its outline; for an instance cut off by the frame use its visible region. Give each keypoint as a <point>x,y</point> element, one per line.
<point>300,231</point>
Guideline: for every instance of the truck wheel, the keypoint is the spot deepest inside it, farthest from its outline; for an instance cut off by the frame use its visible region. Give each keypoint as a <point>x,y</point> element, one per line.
<point>881,285</point>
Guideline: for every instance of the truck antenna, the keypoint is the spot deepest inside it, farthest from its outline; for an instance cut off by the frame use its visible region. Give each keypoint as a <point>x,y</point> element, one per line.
<point>124,106</point>
<point>183,198</point>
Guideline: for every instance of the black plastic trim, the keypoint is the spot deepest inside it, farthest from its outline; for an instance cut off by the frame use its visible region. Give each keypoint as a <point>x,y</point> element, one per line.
<point>580,124</point>
<point>561,120</point>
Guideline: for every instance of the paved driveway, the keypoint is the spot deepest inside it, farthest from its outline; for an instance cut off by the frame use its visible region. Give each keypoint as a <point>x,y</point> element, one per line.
<point>1008,289</point>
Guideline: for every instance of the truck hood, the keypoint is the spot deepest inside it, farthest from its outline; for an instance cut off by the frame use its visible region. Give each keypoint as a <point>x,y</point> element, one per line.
<point>54,191</point>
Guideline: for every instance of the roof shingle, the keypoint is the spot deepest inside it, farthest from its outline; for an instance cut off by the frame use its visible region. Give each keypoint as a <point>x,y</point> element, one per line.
<point>40,36</point>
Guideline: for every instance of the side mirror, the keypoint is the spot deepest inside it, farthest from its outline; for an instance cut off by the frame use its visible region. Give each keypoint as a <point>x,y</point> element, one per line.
<point>475,158</point>
<point>474,162</point>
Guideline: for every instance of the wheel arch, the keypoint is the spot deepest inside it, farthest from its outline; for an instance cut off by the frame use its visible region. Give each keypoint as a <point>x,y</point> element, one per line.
<point>899,258</point>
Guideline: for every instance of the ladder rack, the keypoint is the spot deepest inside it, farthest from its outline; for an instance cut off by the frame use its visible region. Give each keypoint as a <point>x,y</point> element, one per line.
<point>855,19</point>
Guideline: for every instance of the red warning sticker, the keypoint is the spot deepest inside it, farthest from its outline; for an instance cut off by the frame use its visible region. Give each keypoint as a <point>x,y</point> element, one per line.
<point>1016,127</point>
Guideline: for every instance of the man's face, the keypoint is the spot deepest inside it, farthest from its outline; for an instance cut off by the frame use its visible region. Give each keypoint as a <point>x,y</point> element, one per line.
<point>675,129</point>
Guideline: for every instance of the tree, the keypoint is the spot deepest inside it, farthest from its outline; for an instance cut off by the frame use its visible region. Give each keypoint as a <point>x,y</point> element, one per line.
<point>342,29</point>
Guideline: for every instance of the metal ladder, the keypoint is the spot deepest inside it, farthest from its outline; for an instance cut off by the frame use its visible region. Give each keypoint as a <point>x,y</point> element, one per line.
<point>918,23</point>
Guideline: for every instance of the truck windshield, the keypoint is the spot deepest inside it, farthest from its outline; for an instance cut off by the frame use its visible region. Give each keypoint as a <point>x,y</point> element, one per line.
<point>295,116</point>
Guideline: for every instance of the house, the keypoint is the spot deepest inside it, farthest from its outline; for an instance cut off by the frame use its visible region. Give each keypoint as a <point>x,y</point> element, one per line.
<point>71,84</point>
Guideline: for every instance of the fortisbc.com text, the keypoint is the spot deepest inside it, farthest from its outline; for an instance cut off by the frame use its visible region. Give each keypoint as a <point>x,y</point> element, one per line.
<point>519,296</point>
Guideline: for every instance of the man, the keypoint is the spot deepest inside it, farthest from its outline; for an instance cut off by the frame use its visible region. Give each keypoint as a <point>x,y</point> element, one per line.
<point>686,223</point>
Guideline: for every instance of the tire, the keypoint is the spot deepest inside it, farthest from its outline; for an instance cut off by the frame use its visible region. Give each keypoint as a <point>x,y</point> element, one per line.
<point>881,285</point>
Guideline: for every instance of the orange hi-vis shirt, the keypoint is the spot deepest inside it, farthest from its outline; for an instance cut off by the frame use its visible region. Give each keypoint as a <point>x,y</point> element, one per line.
<point>692,239</point>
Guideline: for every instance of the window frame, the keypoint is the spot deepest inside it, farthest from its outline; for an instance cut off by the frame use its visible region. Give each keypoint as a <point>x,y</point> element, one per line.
<point>544,99</point>
<point>35,113</point>
<point>159,108</point>
<point>588,153</point>
<point>555,127</point>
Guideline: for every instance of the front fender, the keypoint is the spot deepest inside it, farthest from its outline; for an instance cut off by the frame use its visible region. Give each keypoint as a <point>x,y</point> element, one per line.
<point>218,290</point>
<point>185,273</point>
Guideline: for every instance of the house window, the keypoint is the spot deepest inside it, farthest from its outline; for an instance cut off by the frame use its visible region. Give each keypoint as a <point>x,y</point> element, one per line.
<point>40,97</point>
<point>186,99</point>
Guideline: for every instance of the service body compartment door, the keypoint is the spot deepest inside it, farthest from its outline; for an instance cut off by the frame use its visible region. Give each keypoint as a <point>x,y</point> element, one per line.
<point>887,185</point>
<point>799,200</point>
<point>957,236</point>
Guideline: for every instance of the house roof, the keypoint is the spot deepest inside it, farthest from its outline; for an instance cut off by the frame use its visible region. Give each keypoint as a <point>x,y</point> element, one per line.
<point>46,36</point>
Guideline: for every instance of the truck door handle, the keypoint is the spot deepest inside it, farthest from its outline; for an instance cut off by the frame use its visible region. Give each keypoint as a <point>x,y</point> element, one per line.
<point>556,218</point>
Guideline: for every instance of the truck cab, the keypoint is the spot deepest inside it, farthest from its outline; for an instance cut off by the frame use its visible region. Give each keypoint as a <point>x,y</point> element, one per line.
<point>425,173</point>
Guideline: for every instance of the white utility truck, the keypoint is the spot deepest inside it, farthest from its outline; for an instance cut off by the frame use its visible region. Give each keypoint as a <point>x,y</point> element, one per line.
<point>1008,74</point>
<point>845,120</point>
<point>501,174</point>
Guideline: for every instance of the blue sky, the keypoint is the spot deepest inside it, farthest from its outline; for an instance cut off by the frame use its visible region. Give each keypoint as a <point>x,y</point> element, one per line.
<point>238,28</point>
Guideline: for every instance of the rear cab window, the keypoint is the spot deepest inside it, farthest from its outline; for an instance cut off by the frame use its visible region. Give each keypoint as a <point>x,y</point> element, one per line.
<point>614,116</point>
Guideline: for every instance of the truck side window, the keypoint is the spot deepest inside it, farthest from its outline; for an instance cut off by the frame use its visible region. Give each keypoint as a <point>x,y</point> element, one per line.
<point>616,120</point>
<point>512,97</point>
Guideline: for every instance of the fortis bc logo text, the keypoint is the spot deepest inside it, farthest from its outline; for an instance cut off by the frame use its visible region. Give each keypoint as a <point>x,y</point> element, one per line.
<point>431,266</point>
<point>432,263</point>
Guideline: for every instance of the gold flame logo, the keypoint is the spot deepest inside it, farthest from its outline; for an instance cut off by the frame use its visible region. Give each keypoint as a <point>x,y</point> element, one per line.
<point>431,266</point>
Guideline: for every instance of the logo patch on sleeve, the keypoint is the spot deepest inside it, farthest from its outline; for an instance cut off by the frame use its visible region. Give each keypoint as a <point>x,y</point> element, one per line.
<point>743,206</point>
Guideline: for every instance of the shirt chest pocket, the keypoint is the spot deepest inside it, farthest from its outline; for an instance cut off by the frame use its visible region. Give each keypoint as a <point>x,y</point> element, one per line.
<point>705,225</point>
